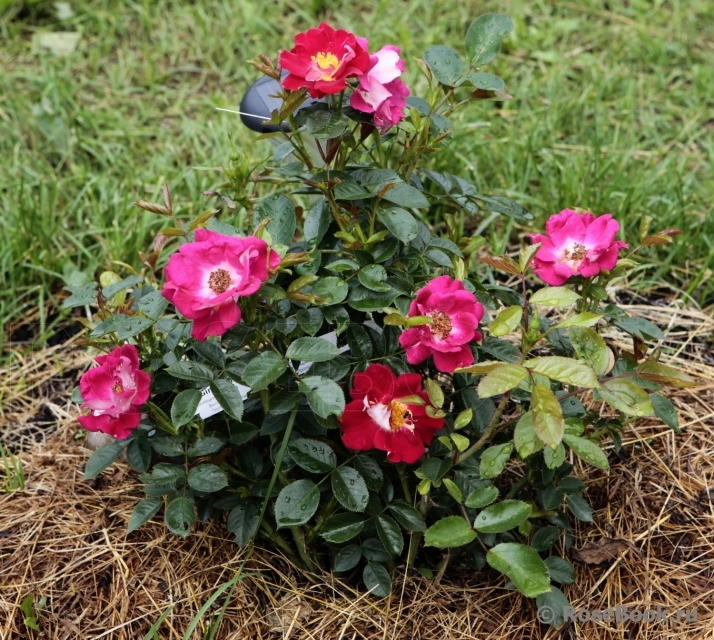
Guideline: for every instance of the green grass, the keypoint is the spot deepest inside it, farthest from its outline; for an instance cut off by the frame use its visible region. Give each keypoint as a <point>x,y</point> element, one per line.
<point>612,112</point>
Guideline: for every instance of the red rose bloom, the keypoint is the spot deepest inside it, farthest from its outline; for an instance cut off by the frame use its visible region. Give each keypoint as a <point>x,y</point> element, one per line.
<point>322,60</point>
<point>380,417</point>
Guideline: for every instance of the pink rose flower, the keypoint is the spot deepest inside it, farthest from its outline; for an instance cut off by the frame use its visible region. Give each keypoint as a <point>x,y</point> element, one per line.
<point>322,60</point>
<point>380,91</point>
<point>455,315</point>
<point>114,392</point>
<point>206,277</point>
<point>576,244</point>
<point>380,415</point>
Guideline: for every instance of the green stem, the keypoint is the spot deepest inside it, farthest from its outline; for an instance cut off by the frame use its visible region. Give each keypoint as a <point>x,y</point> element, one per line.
<point>402,471</point>
<point>327,512</point>
<point>416,537</point>
<point>489,430</point>
<point>519,485</point>
<point>299,536</point>
<point>162,419</point>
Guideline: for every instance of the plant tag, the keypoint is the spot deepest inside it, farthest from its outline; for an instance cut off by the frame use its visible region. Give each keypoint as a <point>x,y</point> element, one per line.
<point>208,406</point>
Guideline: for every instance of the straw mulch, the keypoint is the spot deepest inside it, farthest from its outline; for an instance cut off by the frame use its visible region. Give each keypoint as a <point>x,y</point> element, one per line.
<point>65,539</point>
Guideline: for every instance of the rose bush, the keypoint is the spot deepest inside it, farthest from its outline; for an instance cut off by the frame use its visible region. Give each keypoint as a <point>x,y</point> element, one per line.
<point>343,270</point>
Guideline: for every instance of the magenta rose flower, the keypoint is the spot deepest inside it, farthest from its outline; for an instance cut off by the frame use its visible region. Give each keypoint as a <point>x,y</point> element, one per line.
<point>455,314</point>
<point>113,392</point>
<point>322,60</point>
<point>576,244</point>
<point>207,276</point>
<point>380,415</point>
<point>380,91</point>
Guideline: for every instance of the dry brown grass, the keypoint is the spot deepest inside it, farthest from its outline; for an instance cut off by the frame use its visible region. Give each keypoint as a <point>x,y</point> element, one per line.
<point>65,539</point>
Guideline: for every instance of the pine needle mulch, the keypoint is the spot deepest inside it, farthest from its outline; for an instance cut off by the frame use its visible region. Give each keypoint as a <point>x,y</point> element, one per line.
<point>65,539</point>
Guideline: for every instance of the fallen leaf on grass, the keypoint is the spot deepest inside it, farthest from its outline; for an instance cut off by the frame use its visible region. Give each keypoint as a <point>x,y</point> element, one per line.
<point>602,550</point>
<point>61,43</point>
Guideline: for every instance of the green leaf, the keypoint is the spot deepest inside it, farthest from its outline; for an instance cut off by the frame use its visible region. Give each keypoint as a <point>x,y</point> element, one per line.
<point>462,442</point>
<point>127,283</point>
<point>552,606</point>
<point>373,277</point>
<point>184,406</point>
<point>312,350</point>
<point>281,211</point>
<point>481,497</point>
<point>168,445</point>
<point>310,320</point>
<point>484,36</point>
<point>324,395</point>
<point>143,512</point>
<point>348,190</point>
<point>138,453</point>
<point>444,63</point>
<point>332,289</point>
<point>296,503</point>
<point>243,522</point>
<point>364,299</point>
<point>502,379</point>
<point>370,470</point>
<point>587,450</point>
<point>643,329</point>
<point>153,304</point>
<point>548,422</point>
<point>404,195</point>
<point>132,326</point>
<point>347,558</point>
<point>312,455</point>
<point>207,478</point>
<point>494,459</point>
<point>584,319</point>
<point>524,437</point>
<point>522,565</point>
<point>506,321</point>
<point>624,395</point>
<point>399,221</point>
<point>579,508</point>
<point>560,570</point>
<point>452,531</point>
<point>350,489</point>
<point>317,222</point>
<point>463,419</point>
<point>662,374</point>
<point>203,447</point>
<point>390,534</point>
<point>591,348</point>
<point>82,295</point>
<point>342,527</point>
<point>263,370</point>
<point>180,515</point>
<point>453,490</point>
<point>553,458</point>
<point>211,352</point>
<point>229,397</point>
<point>502,516</point>
<point>377,580</point>
<point>326,123</point>
<point>485,82</point>
<point>193,371</point>
<point>554,297</point>
<point>407,516</point>
<point>165,473</point>
<point>565,370</point>
<point>665,411</point>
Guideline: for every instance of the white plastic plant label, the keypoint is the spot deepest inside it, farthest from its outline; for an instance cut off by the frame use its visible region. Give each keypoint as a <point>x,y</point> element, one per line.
<point>208,406</point>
